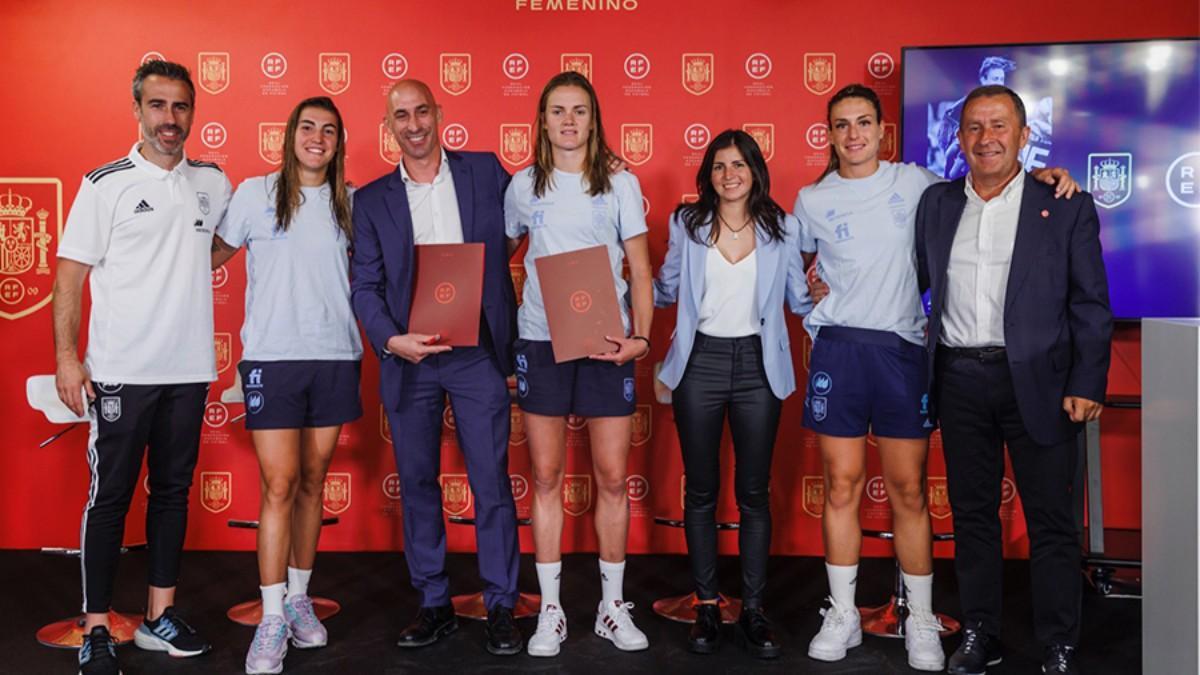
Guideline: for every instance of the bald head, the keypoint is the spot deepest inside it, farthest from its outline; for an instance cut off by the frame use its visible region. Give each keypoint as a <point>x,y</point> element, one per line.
<point>413,116</point>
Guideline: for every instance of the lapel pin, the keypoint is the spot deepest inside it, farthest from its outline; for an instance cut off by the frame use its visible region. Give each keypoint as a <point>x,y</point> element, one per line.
<point>1045,213</point>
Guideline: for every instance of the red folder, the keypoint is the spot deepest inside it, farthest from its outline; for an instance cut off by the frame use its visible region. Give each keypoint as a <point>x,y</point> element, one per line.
<point>581,302</point>
<point>448,293</point>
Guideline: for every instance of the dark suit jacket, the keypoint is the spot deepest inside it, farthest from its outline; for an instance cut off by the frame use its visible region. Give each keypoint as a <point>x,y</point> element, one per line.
<point>382,265</point>
<point>1057,321</point>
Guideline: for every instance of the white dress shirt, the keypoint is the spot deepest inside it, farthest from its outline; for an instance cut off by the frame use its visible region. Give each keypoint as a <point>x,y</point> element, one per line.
<point>977,278</point>
<point>434,207</point>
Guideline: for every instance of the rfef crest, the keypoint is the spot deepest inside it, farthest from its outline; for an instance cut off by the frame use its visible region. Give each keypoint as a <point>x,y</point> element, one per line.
<point>698,73</point>
<point>389,149</point>
<point>516,429</point>
<point>763,134</point>
<point>270,141</point>
<point>577,493</point>
<point>888,143</point>
<point>516,143</point>
<point>336,495</point>
<point>30,221</point>
<point>939,497</point>
<point>216,490</point>
<point>577,63</point>
<point>213,71</point>
<point>223,347</point>
<point>1110,178</point>
<point>814,495</point>
<point>333,69</point>
<point>456,493</point>
<point>454,73</point>
<point>820,72</point>
<point>637,143</point>
<point>641,424</point>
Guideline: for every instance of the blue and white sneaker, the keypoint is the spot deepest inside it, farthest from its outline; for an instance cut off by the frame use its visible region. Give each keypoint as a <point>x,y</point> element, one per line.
<point>97,655</point>
<point>269,646</point>
<point>171,634</point>
<point>307,630</point>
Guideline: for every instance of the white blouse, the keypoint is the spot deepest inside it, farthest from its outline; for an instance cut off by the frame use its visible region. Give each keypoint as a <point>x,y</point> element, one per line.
<point>728,307</point>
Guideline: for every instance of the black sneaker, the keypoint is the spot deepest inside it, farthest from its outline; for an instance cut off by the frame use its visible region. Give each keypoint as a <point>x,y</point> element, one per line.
<point>503,636</point>
<point>977,651</point>
<point>171,634</point>
<point>97,655</point>
<point>1060,659</point>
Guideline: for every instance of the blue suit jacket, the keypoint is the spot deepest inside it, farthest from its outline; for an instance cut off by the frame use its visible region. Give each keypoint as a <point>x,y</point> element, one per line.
<point>1057,320</point>
<point>382,265</point>
<point>780,276</point>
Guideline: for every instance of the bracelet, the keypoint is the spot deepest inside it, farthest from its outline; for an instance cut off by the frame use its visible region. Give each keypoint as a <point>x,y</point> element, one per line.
<point>643,338</point>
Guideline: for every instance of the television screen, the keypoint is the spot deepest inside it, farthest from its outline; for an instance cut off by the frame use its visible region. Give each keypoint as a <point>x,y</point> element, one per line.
<point>1122,117</point>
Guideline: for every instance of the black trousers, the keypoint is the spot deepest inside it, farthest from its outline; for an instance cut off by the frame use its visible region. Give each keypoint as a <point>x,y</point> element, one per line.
<point>126,420</point>
<point>978,412</point>
<point>725,376</point>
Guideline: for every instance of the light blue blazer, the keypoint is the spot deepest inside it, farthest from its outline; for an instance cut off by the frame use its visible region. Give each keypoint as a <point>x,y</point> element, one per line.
<point>780,270</point>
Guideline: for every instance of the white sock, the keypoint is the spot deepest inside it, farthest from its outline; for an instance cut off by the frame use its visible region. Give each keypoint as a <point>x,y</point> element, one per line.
<point>842,580</point>
<point>612,581</point>
<point>919,589</point>
<point>548,575</point>
<point>297,583</point>
<point>273,598</point>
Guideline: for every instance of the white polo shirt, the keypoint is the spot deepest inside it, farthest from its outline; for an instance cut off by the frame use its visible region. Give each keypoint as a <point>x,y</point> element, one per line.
<point>147,235</point>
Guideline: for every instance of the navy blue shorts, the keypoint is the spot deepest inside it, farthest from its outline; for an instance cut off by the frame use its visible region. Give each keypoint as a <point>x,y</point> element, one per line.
<point>582,387</point>
<point>299,394</point>
<point>860,380</point>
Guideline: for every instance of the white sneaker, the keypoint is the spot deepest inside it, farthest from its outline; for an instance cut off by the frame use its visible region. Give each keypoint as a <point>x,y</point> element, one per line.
<point>614,623</point>
<point>922,639</point>
<point>841,630</point>
<point>551,631</point>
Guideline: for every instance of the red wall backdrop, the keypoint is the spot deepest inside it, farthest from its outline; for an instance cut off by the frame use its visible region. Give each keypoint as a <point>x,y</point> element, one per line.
<point>668,74</point>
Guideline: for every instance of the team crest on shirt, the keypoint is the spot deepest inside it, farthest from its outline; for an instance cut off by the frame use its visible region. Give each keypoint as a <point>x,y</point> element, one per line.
<point>389,149</point>
<point>335,496</point>
<point>820,72</point>
<point>516,426</point>
<point>641,424</point>
<point>939,497</point>
<point>698,73</point>
<point>637,143</point>
<point>577,63</point>
<point>223,346</point>
<point>898,207</point>
<point>214,71</point>
<point>577,493</point>
<point>1109,178</point>
<point>813,488</point>
<point>456,493</point>
<point>334,71</point>
<point>454,73</point>
<point>110,408</point>
<point>888,145</point>
<point>270,141</point>
<point>216,490</point>
<point>763,133</point>
<point>205,204</point>
<point>30,221</point>
<point>516,146</point>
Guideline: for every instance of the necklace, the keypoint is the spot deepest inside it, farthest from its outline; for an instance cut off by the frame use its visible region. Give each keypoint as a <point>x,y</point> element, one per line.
<point>730,227</point>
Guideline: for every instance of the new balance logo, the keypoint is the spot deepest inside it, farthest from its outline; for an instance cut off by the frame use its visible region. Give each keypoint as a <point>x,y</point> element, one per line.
<point>142,207</point>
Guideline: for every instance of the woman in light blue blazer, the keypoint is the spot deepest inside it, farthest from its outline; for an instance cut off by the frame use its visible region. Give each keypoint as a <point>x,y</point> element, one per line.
<point>733,260</point>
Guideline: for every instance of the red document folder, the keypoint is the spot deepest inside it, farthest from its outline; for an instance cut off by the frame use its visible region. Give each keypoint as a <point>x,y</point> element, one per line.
<point>448,293</point>
<point>581,302</point>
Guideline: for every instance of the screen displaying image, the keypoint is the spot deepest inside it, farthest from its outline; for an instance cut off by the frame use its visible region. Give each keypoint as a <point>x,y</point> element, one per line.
<point>1122,117</point>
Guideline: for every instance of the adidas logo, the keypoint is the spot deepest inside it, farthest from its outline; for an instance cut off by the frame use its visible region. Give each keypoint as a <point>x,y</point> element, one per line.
<point>142,207</point>
<point>896,199</point>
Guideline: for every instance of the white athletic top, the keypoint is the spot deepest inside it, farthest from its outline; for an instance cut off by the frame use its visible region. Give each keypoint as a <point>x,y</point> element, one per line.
<point>147,235</point>
<point>728,307</point>
<point>863,230</point>
<point>567,219</point>
<point>297,282</point>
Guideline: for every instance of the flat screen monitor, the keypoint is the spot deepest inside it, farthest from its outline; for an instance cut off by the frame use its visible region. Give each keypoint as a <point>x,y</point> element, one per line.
<point>1122,117</point>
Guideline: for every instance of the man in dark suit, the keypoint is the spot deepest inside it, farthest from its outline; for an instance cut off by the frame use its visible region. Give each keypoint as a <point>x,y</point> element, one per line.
<point>440,197</point>
<point>1020,333</point>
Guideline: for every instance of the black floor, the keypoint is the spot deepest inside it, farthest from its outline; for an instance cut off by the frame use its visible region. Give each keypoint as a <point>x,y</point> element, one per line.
<point>377,601</point>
